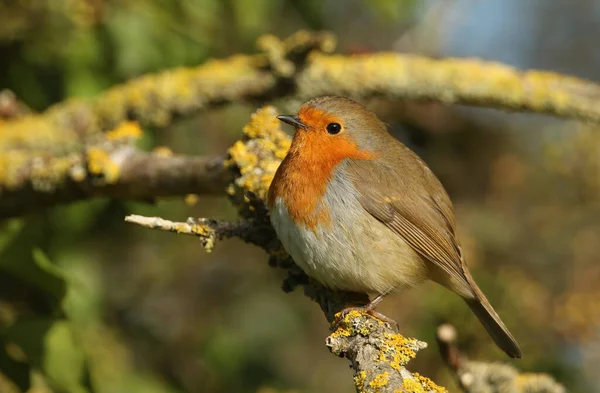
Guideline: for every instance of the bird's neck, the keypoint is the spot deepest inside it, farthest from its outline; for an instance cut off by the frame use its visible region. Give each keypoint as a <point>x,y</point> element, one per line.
<point>302,179</point>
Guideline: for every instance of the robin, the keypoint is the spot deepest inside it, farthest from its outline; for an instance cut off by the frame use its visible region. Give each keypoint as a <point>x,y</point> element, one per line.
<point>359,211</point>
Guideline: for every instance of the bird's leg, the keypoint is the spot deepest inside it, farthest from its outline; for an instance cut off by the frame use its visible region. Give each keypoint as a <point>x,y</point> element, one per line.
<point>368,308</point>
<point>373,303</point>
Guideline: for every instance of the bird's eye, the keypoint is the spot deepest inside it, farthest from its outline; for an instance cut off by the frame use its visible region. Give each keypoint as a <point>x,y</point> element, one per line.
<point>334,128</point>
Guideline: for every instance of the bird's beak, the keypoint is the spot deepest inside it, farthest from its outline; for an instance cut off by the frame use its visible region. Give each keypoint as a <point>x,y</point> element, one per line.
<point>293,120</point>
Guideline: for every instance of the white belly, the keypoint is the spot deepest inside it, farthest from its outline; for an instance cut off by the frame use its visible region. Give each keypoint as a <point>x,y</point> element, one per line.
<point>355,253</point>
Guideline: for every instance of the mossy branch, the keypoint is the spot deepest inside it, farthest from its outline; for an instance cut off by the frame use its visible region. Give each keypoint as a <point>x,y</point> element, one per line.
<point>378,354</point>
<point>106,166</point>
<point>481,377</point>
<point>209,231</point>
<point>44,157</point>
<point>300,66</point>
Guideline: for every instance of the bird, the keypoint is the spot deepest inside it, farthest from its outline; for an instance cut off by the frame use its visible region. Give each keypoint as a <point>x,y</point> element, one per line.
<point>359,211</point>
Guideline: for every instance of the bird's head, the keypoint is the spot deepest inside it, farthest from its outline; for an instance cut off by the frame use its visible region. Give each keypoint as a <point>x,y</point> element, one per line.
<point>334,128</point>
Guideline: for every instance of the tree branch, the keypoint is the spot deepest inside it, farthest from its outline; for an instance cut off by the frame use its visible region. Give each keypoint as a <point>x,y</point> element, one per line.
<point>377,353</point>
<point>298,66</point>
<point>44,158</point>
<point>207,230</point>
<point>110,167</point>
<point>480,377</point>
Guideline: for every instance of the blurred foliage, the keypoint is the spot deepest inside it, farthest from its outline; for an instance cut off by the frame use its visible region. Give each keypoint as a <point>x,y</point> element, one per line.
<point>88,304</point>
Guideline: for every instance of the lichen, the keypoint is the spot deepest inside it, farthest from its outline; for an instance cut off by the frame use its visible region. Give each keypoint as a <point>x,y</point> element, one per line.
<point>533,382</point>
<point>101,164</point>
<point>257,156</point>
<point>360,379</point>
<point>380,381</point>
<point>155,99</point>
<point>352,323</point>
<point>162,151</point>
<point>397,350</point>
<point>341,331</point>
<point>428,384</point>
<point>126,131</point>
<point>450,81</point>
<point>412,386</point>
<point>32,152</point>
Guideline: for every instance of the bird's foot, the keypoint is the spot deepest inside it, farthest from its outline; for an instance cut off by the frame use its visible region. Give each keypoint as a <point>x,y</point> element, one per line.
<point>367,309</point>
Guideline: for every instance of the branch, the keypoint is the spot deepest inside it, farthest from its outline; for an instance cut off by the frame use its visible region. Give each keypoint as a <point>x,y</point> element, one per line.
<point>44,157</point>
<point>480,377</point>
<point>109,166</point>
<point>156,99</point>
<point>471,82</point>
<point>209,231</point>
<point>377,353</point>
<point>298,66</point>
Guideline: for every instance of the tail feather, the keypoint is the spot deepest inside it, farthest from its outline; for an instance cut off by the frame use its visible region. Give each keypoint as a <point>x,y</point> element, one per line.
<point>493,324</point>
<point>481,307</point>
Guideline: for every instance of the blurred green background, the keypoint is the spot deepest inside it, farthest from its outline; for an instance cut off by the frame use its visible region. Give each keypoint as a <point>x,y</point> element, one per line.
<point>95,305</point>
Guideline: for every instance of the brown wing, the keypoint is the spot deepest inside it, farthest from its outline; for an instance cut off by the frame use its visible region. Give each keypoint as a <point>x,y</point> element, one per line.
<point>402,193</point>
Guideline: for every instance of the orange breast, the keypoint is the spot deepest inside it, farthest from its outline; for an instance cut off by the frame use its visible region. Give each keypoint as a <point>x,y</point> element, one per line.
<point>303,177</point>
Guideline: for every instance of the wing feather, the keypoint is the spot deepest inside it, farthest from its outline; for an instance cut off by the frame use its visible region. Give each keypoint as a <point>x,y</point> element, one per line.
<point>409,209</point>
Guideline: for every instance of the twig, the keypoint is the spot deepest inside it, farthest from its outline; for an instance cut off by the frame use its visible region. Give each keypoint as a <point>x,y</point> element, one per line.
<point>208,230</point>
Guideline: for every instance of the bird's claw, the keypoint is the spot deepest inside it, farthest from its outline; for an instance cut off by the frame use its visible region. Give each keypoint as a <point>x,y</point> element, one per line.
<point>341,316</point>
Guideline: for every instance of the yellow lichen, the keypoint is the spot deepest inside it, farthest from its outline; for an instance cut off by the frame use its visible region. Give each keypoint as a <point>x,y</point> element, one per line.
<point>262,123</point>
<point>359,379</point>
<point>258,155</point>
<point>380,381</point>
<point>429,385</point>
<point>412,386</point>
<point>47,172</point>
<point>532,382</point>
<point>341,331</point>
<point>396,350</point>
<point>205,232</point>
<point>197,229</point>
<point>156,98</point>
<point>126,131</point>
<point>202,230</point>
<point>100,164</point>
<point>347,328</point>
<point>10,163</point>
<point>162,151</point>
